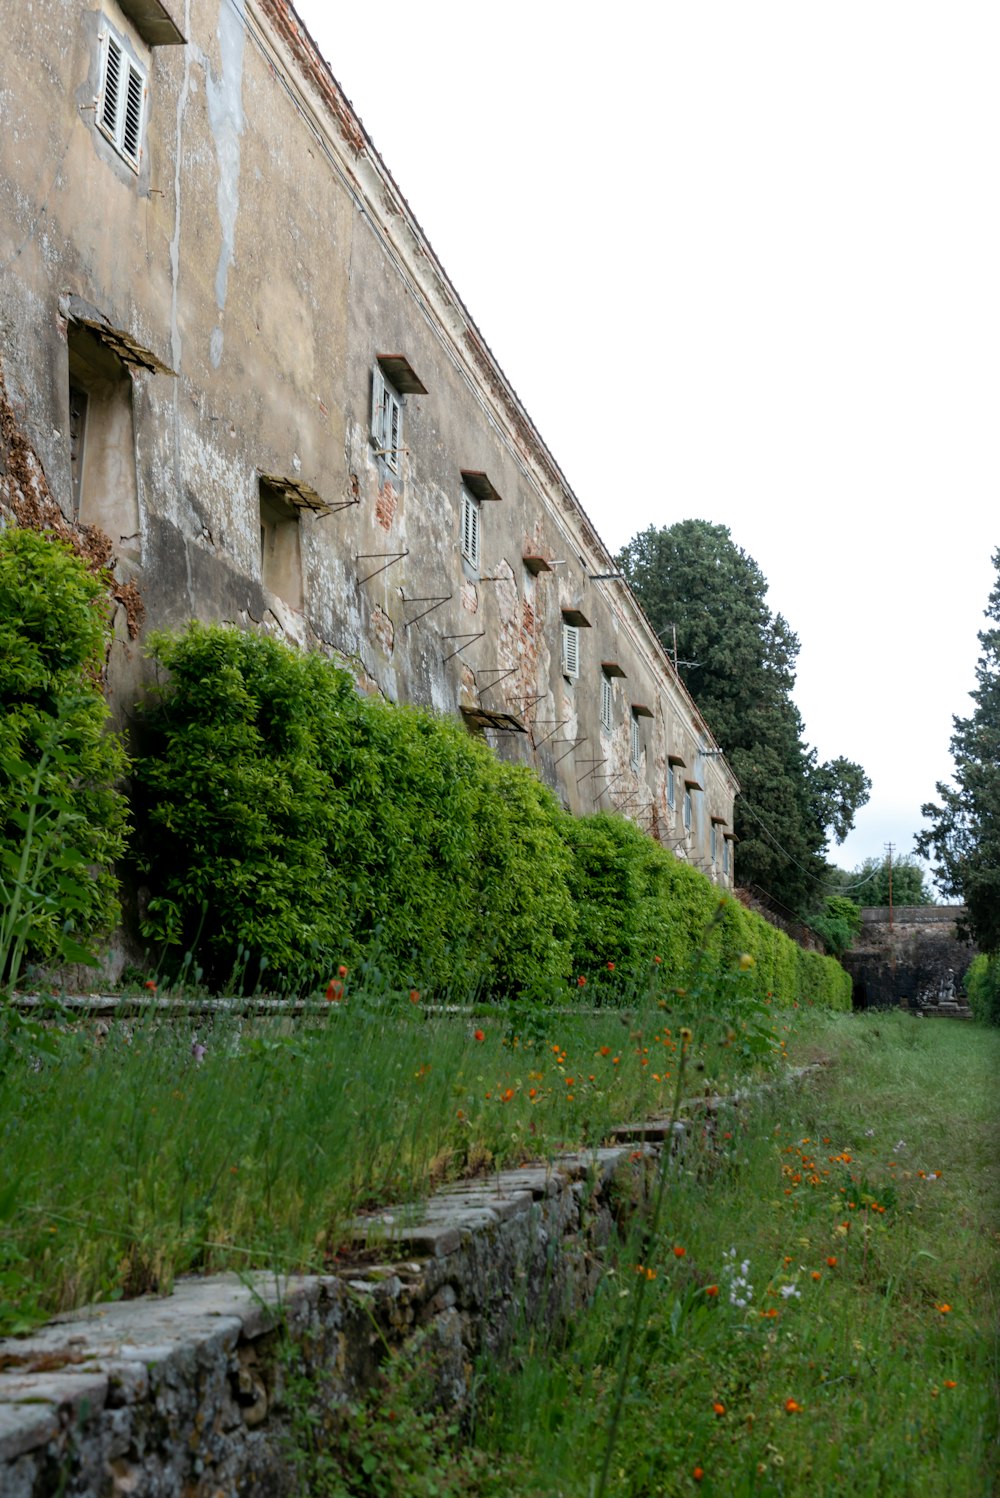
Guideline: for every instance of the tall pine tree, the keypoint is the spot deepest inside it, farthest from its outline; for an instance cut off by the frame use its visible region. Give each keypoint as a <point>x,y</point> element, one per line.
<point>737,660</point>
<point>964,835</point>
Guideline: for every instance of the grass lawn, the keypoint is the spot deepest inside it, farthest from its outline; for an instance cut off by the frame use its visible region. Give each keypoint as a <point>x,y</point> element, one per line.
<point>820,1310</point>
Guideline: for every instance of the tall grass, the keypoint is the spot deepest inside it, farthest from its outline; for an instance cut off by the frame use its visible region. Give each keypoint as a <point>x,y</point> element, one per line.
<point>822,1312</point>
<point>157,1148</point>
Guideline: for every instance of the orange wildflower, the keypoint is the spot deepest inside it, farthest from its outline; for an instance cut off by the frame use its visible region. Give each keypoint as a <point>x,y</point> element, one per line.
<point>792,1407</point>
<point>479,1035</point>
<point>950,1383</point>
<point>341,971</point>
<point>944,1308</point>
<point>832,1260</point>
<point>698,1473</point>
<point>678,1251</point>
<point>580,981</point>
<point>414,996</point>
<point>720,1409</point>
<point>712,1290</point>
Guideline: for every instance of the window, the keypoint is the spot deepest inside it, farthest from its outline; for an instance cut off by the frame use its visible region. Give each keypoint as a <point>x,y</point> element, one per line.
<point>607,701</point>
<point>725,855</point>
<point>280,545</point>
<point>122,99</point>
<point>393,377</point>
<point>570,650</point>
<point>687,808</point>
<point>636,741</point>
<point>715,842</point>
<point>102,440</point>
<point>387,420</point>
<point>470,529</point>
<point>671,787</point>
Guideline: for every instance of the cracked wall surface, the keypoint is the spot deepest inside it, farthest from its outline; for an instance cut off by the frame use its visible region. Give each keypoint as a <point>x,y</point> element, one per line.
<point>260,272</point>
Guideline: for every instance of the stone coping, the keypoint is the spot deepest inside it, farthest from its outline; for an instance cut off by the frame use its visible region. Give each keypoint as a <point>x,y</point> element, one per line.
<point>160,1395</point>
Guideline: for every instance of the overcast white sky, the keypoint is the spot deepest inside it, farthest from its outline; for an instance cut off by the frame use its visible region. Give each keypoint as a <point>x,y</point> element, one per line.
<point>742,263</point>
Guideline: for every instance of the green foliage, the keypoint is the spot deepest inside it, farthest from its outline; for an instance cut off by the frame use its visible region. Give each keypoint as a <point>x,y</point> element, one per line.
<point>290,825</point>
<point>738,661</point>
<point>62,819</point>
<point>868,884</point>
<point>288,818</point>
<point>982,985</point>
<point>837,923</point>
<point>964,835</point>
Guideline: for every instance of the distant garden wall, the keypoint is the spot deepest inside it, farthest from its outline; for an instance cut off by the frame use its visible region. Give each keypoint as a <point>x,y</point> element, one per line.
<point>919,957</point>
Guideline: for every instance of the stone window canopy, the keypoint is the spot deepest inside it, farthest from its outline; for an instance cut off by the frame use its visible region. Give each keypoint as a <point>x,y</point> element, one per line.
<point>535,565</point>
<point>400,373</point>
<point>121,344</point>
<point>479,718</point>
<point>640,710</point>
<point>693,785</point>
<point>154,22</point>
<point>480,485</point>
<point>612,668</point>
<point>574,617</point>
<point>296,493</point>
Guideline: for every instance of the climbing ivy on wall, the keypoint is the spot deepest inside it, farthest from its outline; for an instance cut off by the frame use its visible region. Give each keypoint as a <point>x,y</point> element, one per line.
<point>289,825</point>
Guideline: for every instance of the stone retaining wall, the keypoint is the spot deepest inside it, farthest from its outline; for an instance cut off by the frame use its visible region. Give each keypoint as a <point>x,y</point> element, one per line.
<point>187,1394</point>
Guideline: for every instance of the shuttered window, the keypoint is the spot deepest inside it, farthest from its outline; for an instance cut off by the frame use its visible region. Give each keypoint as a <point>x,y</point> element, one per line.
<point>570,650</point>
<point>635,745</point>
<point>387,420</point>
<point>122,100</point>
<point>607,701</point>
<point>470,529</point>
<point>671,787</point>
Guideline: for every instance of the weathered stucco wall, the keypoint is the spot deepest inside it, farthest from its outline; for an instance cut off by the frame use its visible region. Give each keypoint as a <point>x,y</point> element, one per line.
<point>920,960</point>
<point>256,264</point>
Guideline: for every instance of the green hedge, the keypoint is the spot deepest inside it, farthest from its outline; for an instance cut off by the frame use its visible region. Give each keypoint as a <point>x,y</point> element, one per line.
<point>290,825</point>
<point>62,816</point>
<point>982,984</point>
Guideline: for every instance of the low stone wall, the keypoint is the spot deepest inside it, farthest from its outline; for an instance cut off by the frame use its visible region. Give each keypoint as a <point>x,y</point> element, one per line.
<point>187,1394</point>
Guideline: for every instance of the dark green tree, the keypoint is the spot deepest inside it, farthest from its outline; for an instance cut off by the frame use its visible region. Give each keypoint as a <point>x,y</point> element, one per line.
<point>868,884</point>
<point>964,835</point>
<point>737,660</point>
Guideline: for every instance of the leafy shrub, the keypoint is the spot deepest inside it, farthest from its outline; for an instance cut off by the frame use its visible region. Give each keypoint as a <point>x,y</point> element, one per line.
<point>982,984</point>
<point>62,818</point>
<point>290,825</point>
<point>837,923</point>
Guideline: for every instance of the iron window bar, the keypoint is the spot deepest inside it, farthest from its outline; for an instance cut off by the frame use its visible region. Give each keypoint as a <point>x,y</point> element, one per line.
<point>470,639</point>
<point>370,556</point>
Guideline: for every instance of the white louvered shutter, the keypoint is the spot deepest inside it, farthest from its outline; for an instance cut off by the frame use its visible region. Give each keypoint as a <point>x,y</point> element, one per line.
<point>636,745</point>
<point>131,137</point>
<point>571,650</point>
<point>111,95</point>
<point>470,529</point>
<point>392,458</point>
<point>606,700</point>
<point>378,405</point>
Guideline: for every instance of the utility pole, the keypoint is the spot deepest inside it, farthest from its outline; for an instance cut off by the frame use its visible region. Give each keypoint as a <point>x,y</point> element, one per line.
<point>890,848</point>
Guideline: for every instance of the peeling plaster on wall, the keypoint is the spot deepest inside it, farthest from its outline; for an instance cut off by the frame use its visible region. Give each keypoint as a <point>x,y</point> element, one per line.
<point>226,119</point>
<point>470,598</point>
<point>176,342</point>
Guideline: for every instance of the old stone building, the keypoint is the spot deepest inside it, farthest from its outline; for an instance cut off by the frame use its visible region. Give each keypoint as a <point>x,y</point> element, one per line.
<point>226,342</point>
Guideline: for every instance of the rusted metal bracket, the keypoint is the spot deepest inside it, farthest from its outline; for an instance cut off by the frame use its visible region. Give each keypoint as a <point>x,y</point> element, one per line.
<point>490,670</point>
<point>559,723</point>
<point>573,745</point>
<point>370,556</point>
<point>470,639</point>
<point>434,599</point>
